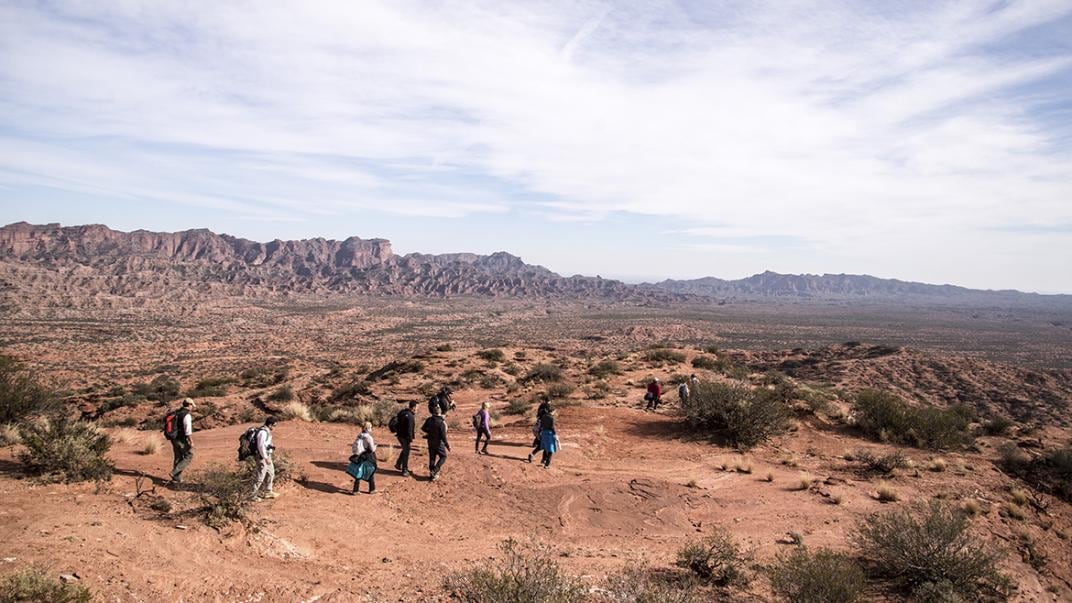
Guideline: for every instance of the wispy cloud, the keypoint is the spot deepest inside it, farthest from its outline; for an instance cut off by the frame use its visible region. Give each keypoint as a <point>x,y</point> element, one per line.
<point>894,134</point>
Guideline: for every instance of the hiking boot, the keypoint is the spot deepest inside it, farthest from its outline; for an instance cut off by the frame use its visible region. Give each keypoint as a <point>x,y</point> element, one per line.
<point>405,473</point>
<point>435,477</point>
<point>373,492</point>
<point>270,495</point>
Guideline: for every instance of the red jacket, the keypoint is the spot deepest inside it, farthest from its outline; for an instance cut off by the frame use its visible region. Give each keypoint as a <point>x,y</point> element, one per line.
<point>655,389</point>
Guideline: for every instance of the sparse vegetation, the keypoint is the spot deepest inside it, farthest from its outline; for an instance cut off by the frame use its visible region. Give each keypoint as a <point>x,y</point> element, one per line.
<point>706,363</point>
<point>884,464</point>
<point>263,376</point>
<point>161,389</point>
<point>517,406</point>
<point>822,576</point>
<point>210,388</point>
<point>715,559</point>
<point>543,373</point>
<point>224,495</point>
<point>351,391</point>
<point>998,425</point>
<point>885,493</point>
<point>931,547</point>
<point>664,355</point>
<point>396,367</point>
<point>150,447</point>
<point>523,574</point>
<point>745,416</point>
<point>605,368</point>
<point>493,355</point>
<point>64,449</point>
<point>33,585</point>
<point>559,390</point>
<point>644,586</point>
<point>1050,472</point>
<point>295,410</point>
<point>282,394</point>
<point>21,393</point>
<point>889,418</point>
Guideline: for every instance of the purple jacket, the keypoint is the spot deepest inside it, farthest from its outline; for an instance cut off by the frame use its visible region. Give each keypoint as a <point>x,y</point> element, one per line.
<point>485,419</point>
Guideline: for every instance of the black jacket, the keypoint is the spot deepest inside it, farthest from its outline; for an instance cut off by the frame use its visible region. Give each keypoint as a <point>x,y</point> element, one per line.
<point>547,422</point>
<point>435,431</point>
<point>407,423</point>
<point>542,409</point>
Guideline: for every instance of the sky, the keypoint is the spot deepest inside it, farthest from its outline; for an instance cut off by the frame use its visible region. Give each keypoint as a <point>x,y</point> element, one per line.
<point>927,141</point>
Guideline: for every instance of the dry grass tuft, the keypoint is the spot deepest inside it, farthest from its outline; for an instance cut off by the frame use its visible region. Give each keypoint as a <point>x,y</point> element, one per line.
<point>150,447</point>
<point>886,494</point>
<point>296,410</point>
<point>937,465</point>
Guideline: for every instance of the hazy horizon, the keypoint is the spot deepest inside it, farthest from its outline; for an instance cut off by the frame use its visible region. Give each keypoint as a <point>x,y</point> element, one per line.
<point>925,142</point>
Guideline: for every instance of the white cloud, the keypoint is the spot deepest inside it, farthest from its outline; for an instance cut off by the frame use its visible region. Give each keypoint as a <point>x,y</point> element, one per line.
<point>886,138</point>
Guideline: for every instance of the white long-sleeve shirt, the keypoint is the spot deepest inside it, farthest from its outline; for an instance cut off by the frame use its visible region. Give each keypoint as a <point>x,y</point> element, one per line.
<point>363,442</point>
<point>264,440</point>
<point>188,425</point>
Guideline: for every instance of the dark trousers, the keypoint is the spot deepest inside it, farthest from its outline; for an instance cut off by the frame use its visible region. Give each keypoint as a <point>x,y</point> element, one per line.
<point>536,445</point>
<point>653,404</point>
<point>371,484</point>
<point>436,457</point>
<point>546,458</point>
<point>184,453</point>
<point>403,457</point>
<point>486,435</point>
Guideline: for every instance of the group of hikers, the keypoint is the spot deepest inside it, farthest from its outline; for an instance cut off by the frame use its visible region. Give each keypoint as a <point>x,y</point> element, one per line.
<point>654,395</point>
<point>256,442</point>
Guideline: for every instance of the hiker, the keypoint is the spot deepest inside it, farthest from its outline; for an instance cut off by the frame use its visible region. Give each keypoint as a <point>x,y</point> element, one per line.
<point>442,400</point>
<point>265,467</point>
<point>683,392</point>
<point>548,437</point>
<point>178,427</point>
<point>654,395</point>
<point>482,425</point>
<point>363,460</point>
<point>405,423</point>
<point>693,381</point>
<point>435,431</point>
<point>544,408</point>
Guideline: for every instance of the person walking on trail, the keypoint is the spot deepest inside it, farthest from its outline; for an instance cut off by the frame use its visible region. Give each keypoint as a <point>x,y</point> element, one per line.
<point>693,381</point>
<point>178,427</point>
<point>683,392</point>
<point>482,426</point>
<point>442,400</point>
<point>405,424</point>
<point>435,431</point>
<point>548,437</point>
<point>541,410</point>
<point>654,395</point>
<point>363,460</point>
<point>265,467</point>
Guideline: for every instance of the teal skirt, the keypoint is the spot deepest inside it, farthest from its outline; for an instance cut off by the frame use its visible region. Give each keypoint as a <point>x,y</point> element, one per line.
<point>363,469</point>
<point>548,441</point>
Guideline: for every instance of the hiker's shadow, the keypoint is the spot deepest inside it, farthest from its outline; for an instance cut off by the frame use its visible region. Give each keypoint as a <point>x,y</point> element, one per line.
<point>333,465</point>
<point>517,444</point>
<point>322,487</point>
<point>130,473</point>
<point>507,456</point>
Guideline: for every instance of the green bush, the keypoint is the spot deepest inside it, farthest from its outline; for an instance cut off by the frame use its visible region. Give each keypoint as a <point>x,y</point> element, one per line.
<point>744,415</point>
<point>885,463</point>
<point>643,586</point>
<point>663,355</point>
<point>517,406</point>
<point>161,389</point>
<point>33,585</point>
<point>889,418</point>
<point>492,355</point>
<point>67,450</point>
<point>523,574</point>
<point>351,390</point>
<point>605,369</point>
<point>559,390</point>
<point>822,576</point>
<point>929,547</point>
<point>1050,472</point>
<point>544,373</point>
<point>264,376</point>
<point>997,426</point>
<point>212,387</point>
<point>282,394</point>
<point>715,559</point>
<point>21,394</point>
<point>706,363</point>
<point>225,495</point>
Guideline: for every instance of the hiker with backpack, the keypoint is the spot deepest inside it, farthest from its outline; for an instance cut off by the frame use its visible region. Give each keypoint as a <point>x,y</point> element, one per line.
<point>402,425</point>
<point>178,427</point>
<point>482,426</point>
<point>262,444</point>
<point>442,400</point>
<point>541,410</point>
<point>363,460</point>
<point>548,437</point>
<point>435,431</point>
<point>654,395</point>
<point>683,392</point>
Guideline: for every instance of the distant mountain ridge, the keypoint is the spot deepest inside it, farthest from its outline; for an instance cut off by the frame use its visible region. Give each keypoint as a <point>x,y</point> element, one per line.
<point>844,286</point>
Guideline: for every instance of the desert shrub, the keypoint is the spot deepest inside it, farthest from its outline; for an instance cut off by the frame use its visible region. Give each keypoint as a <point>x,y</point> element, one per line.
<point>817,400</point>
<point>664,355</point>
<point>885,463</point>
<point>396,367</point>
<point>210,387</point>
<point>295,410</point>
<point>605,368</point>
<point>471,375</point>
<point>745,416</point>
<point>517,406</point>
<point>379,412</point>
<point>249,414</point>
<point>706,363</point>
<point>225,495</point>
<point>63,449</point>
<point>821,576</point>
<point>559,390</point>
<point>644,586</point>
<point>444,347</point>
<point>33,585</point>
<point>351,390</point>
<point>9,434</point>
<point>544,373</point>
<point>511,369</point>
<point>887,417</point>
<point>492,355</point>
<point>931,545</point>
<point>490,381</point>
<point>161,389</point>
<point>1050,472</point>
<point>715,559</point>
<point>998,425</point>
<point>283,394</point>
<point>264,376</point>
<point>285,469</point>
<point>523,574</point>
<point>21,394</point>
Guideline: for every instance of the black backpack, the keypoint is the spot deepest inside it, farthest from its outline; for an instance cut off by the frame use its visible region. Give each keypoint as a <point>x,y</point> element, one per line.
<point>392,425</point>
<point>173,424</point>
<point>477,421</point>
<point>247,444</point>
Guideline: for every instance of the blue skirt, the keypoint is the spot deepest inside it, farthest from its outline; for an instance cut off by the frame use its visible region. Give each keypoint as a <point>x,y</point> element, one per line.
<point>548,441</point>
<point>363,470</point>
